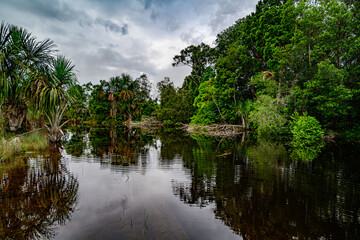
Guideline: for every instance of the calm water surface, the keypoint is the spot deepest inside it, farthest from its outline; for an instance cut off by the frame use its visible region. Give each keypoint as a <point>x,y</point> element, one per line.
<point>120,184</point>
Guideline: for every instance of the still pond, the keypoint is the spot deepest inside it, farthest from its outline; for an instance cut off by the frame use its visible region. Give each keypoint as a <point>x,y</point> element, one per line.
<point>125,184</point>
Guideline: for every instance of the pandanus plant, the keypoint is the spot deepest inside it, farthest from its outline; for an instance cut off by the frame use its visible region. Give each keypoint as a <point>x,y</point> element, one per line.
<point>52,85</point>
<point>20,56</point>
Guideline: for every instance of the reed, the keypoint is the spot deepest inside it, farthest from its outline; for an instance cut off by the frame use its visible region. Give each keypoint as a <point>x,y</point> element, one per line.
<point>9,148</point>
<point>35,142</point>
<point>32,142</point>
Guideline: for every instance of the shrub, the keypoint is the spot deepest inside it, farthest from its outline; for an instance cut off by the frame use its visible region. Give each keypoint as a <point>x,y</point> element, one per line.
<point>306,130</point>
<point>268,117</point>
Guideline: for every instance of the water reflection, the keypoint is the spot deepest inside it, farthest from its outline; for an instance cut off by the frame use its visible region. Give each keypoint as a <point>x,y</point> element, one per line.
<point>36,195</point>
<point>261,193</point>
<point>168,185</point>
<point>119,146</point>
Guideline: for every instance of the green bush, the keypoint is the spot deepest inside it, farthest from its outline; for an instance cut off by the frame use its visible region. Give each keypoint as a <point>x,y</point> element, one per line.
<point>268,117</point>
<point>306,130</point>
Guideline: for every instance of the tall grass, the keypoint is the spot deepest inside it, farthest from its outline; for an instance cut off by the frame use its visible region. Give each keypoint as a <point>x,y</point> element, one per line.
<point>9,148</point>
<point>32,142</point>
<point>35,142</point>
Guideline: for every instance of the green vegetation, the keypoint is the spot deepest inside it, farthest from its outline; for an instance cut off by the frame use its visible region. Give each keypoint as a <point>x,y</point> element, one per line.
<point>8,149</point>
<point>35,142</point>
<point>306,131</point>
<point>34,83</point>
<point>32,142</point>
<point>287,57</point>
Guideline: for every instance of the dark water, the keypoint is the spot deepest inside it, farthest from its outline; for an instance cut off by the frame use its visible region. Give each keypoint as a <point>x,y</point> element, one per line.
<point>119,184</point>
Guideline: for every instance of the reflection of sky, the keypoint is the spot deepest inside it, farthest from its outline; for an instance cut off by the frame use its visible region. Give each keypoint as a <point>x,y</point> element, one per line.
<point>106,38</point>
<point>114,203</point>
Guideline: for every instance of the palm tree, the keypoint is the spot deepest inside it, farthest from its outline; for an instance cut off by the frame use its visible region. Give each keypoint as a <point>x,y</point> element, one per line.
<point>20,56</point>
<point>52,96</point>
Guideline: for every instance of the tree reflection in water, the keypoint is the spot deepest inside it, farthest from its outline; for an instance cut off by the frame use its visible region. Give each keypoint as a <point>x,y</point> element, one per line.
<point>119,146</point>
<point>260,193</point>
<point>35,197</point>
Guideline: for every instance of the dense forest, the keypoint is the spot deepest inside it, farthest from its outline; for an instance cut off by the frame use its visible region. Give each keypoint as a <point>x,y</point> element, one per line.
<point>289,67</point>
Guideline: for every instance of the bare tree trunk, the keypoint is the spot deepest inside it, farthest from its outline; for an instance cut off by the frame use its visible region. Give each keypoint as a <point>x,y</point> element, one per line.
<point>243,122</point>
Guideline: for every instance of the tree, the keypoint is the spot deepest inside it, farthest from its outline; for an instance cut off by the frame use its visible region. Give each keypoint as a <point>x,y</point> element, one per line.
<point>21,56</point>
<point>325,96</point>
<point>199,58</point>
<point>52,96</point>
<point>175,104</point>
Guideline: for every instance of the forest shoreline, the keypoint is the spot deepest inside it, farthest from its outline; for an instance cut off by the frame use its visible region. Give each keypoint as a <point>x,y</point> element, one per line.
<point>221,130</point>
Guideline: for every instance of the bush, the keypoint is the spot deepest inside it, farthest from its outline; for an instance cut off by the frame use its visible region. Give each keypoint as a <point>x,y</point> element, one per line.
<point>268,117</point>
<point>306,130</point>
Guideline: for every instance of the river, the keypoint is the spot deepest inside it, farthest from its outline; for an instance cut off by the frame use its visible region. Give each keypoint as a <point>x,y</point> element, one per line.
<point>127,184</point>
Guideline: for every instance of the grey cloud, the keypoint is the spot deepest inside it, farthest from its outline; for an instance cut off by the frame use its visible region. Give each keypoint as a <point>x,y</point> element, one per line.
<point>113,63</point>
<point>172,24</point>
<point>113,27</point>
<point>63,12</point>
<point>192,37</point>
<point>148,4</point>
<point>161,28</point>
<point>154,15</point>
<point>228,12</point>
<point>56,10</point>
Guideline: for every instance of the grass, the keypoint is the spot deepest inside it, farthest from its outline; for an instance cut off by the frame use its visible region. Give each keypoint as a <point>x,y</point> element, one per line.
<point>9,148</point>
<point>33,142</point>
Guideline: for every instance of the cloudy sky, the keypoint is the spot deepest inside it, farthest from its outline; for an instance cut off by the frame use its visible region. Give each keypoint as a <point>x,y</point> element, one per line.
<point>105,38</point>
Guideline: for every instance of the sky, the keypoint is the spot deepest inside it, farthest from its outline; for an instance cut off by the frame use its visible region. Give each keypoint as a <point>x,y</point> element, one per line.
<point>104,38</point>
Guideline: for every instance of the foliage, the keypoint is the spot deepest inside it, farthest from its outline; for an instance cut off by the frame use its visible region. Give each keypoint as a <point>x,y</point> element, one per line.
<point>306,131</point>
<point>353,134</point>
<point>325,96</point>
<point>33,142</point>
<point>120,99</point>
<point>175,104</point>
<point>206,105</point>
<point>21,56</point>
<point>268,116</point>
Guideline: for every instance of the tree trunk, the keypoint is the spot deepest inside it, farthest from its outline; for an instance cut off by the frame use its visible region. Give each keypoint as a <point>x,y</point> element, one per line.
<point>41,122</point>
<point>16,117</point>
<point>243,122</point>
<point>55,135</point>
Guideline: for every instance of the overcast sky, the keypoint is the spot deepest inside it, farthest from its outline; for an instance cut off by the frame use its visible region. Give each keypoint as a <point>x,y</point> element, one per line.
<point>105,38</point>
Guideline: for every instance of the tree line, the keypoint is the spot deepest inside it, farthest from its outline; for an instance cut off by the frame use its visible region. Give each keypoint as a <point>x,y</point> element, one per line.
<point>287,59</point>
<point>288,65</point>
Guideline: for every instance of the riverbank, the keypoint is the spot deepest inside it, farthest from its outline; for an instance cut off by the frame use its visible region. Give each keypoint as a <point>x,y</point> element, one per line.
<point>221,130</point>
<point>224,130</point>
<point>33,142</point>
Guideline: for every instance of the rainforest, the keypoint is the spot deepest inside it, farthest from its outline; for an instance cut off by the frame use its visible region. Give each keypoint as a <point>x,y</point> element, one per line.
<point>259,141</point>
